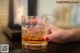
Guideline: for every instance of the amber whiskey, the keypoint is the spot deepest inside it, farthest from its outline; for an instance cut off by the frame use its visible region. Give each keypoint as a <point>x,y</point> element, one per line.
<point>34,39</point>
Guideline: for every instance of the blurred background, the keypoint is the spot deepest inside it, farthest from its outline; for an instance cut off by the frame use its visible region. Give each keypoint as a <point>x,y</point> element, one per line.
<point>64,15</point>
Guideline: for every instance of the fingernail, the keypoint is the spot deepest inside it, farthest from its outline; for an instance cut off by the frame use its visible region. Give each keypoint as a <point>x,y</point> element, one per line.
<point>46,38</point>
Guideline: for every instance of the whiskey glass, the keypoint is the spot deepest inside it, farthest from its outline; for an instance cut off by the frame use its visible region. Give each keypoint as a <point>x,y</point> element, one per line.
<point>34,28</point>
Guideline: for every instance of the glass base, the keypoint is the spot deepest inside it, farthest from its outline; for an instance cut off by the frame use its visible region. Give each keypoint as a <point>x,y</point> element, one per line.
<point>34,51</point>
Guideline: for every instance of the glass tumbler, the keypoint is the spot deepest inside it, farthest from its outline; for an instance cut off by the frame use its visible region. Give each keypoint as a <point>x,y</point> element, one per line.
<point>34,28</point>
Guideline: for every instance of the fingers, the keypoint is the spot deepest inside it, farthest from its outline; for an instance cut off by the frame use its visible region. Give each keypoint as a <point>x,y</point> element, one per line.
<point>54,38</point>
<point>49,37</point>
<point>52,33</point>
<point>56,35</point>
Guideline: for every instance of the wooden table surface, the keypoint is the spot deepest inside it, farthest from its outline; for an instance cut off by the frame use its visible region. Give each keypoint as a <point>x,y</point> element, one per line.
<point>72,47</point>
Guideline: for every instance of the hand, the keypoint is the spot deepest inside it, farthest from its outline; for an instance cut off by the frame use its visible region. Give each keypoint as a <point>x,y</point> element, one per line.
<point>58,35</point>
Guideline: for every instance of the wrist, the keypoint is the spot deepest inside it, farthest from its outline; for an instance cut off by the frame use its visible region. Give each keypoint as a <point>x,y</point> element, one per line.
<point>74,34</point>
<point>69,35</point>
